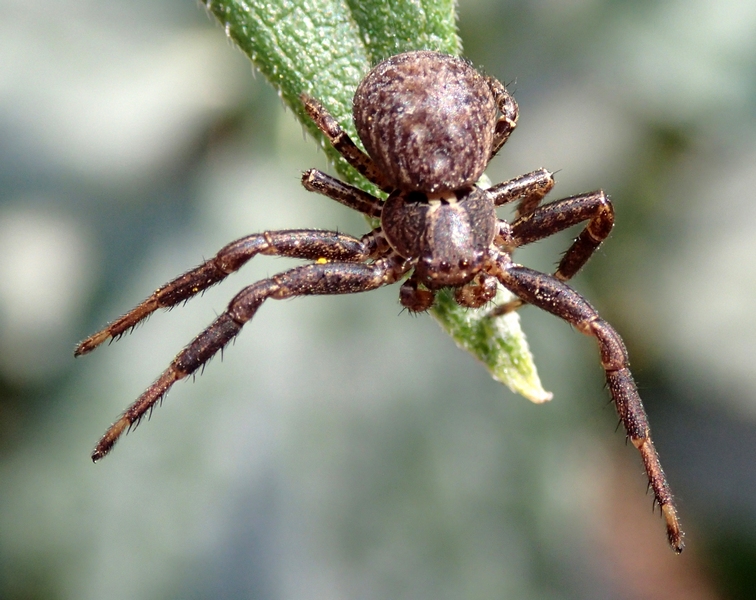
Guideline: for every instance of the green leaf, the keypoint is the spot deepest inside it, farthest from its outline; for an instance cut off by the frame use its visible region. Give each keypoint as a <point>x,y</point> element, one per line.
<point>324,48</point>
<point>389,28</point>
<point>498,342</point>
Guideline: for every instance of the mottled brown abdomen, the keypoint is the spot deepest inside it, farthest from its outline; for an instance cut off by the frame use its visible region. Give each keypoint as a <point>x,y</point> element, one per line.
<point>427,119</point>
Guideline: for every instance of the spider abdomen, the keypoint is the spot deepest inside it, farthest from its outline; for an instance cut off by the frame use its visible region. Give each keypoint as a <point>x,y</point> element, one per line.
<point>427,119</point>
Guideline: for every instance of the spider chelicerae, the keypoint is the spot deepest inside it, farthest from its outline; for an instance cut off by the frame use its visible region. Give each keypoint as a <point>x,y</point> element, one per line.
<point>430,124</point>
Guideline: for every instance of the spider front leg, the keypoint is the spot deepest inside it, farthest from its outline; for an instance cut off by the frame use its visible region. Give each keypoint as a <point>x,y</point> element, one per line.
<point>298,243</point>
<point>316,279</point>
<point>547,220</point>
<point>341,141</point>
<point>549,293</point>
<point>529,189</point>
<point>348,195</point>
<point>557,216</point>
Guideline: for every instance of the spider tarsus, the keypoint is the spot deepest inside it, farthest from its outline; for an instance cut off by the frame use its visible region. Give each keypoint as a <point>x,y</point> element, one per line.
<point>91,342</point>
<point>134,414</point>
<point>115,330</point>
<point>662,493</point>
<point>674,534</point>
<point>111,436</point>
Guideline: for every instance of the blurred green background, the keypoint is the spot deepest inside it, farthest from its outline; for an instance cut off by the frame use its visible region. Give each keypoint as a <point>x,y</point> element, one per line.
<point>342,449</point>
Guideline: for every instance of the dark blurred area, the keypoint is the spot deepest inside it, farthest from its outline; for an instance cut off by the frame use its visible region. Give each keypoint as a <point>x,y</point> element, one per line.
<point>341,449</point>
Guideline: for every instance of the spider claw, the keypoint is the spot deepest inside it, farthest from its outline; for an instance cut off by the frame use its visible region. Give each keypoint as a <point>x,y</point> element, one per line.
<point>91,342</point>
<point>674,534</point>
<point>108,440</point>
<point>133,416</point>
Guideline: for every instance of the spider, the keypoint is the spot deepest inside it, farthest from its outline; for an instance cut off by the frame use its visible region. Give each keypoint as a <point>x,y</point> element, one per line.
<point>430,124</point>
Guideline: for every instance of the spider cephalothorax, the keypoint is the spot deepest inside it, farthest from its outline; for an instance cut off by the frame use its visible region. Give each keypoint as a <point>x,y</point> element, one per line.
<point>430,124</point>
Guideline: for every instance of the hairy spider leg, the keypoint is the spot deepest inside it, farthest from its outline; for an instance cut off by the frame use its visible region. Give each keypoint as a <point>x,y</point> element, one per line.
<point>341,141</point>
<point>556,216</point>
<point>529,189</point>
<point>348,195</point>
<point>507,122</point>
<point>314,279</point>
<point>552,295</point>
<point>549,219</point>
<point>296,243</point>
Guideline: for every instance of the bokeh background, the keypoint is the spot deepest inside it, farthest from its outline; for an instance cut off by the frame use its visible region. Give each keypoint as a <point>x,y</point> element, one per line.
<point>342,449</point>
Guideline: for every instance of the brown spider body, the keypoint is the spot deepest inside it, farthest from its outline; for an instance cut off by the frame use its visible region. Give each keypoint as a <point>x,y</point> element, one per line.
<point>447,238</point>
<point>430,124</point>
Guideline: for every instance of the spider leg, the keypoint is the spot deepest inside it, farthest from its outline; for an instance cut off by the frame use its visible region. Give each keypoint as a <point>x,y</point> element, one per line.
<point>509,114</point>
<point>297,243</point>
<point>348,195</point>
<point>549,219</point>
<point>313,279</point>
<point>529,189</point>
<point>554,296</point>
<point>343,143</point>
